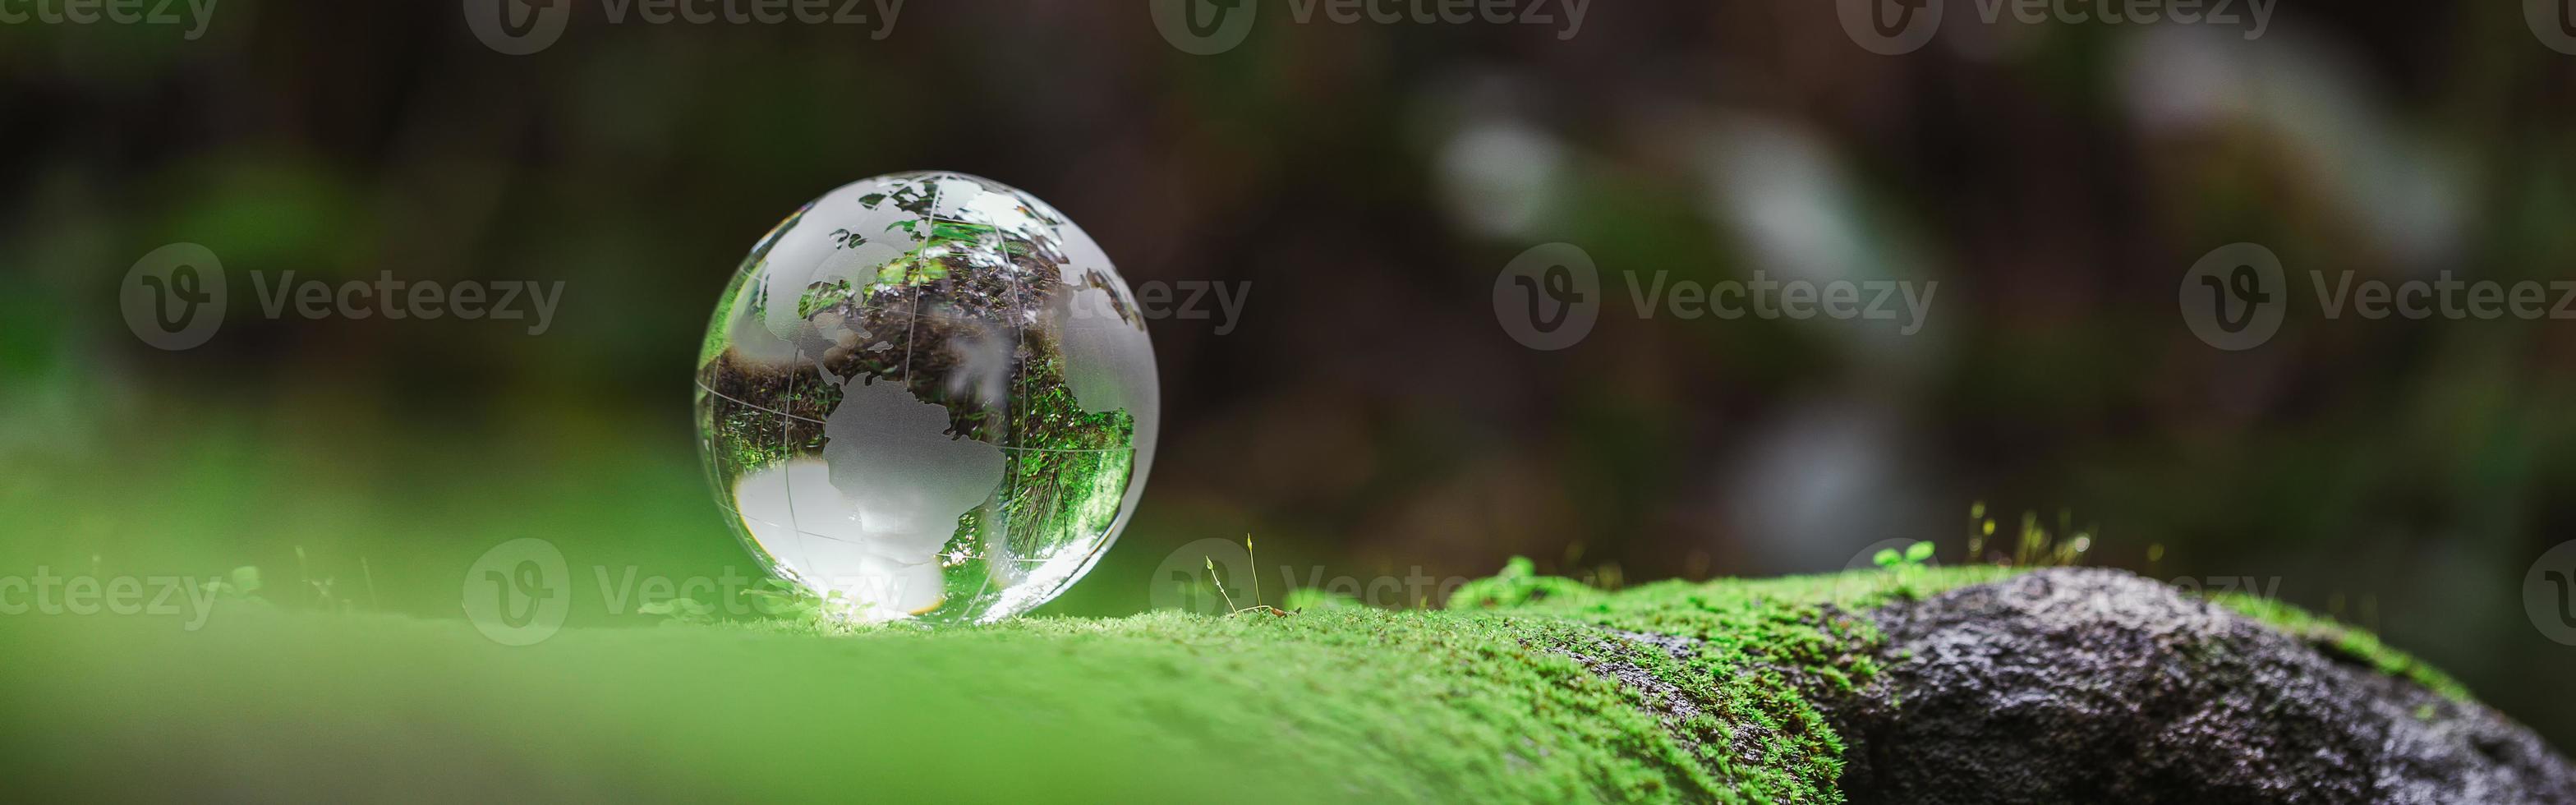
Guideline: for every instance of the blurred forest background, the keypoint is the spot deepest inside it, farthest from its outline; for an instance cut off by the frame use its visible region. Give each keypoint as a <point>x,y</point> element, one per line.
<point>1367,415</point>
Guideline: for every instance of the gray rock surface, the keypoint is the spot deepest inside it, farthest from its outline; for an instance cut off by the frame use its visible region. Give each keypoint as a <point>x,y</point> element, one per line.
<point>2097,686</point>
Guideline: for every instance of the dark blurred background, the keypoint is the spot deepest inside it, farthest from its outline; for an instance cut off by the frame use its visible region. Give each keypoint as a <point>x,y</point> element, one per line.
<point>1367,414</point>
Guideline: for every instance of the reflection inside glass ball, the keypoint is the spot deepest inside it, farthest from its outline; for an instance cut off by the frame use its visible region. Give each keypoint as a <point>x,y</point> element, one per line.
<point>930,396</point>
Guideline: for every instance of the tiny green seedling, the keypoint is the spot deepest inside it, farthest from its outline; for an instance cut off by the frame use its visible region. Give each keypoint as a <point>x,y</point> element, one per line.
<point>1257,606</point>
<point>1915,555</point>
<point>1220,584</point>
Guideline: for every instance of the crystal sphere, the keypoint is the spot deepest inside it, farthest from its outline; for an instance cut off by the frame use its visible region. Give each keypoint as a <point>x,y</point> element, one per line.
<point>927,396</point>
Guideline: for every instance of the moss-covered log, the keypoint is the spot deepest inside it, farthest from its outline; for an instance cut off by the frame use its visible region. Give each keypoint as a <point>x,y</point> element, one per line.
<point>1911,685</point>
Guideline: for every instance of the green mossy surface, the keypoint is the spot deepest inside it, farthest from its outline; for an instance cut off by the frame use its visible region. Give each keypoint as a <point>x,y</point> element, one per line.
<point>1515,694</point>
<point>1472,704</point>
<point>1759,649</point>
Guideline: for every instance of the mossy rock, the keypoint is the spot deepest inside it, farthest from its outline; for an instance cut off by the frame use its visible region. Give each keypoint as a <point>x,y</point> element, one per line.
<point>1904,685</point>
<point>2089,685</point>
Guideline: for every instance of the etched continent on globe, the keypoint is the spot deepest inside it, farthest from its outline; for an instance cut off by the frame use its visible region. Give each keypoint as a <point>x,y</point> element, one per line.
<point>928,395</point>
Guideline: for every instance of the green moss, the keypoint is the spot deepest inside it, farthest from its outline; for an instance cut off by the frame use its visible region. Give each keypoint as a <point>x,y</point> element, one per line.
<point>1509,704</point>
<point>1531,689</point>
<point>1758,648</point>
<point>2336,638</point>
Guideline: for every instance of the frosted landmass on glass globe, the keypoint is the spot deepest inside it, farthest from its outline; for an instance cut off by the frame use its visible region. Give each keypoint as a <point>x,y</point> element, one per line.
<point>929,394</point>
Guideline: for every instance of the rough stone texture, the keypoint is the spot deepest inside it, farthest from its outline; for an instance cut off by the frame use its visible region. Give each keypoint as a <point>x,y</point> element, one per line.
<point>1672,706</point>
<point>2097,686</point>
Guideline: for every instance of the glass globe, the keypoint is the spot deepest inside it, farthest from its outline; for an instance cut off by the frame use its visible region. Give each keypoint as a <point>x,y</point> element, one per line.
<point>927,396</point>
